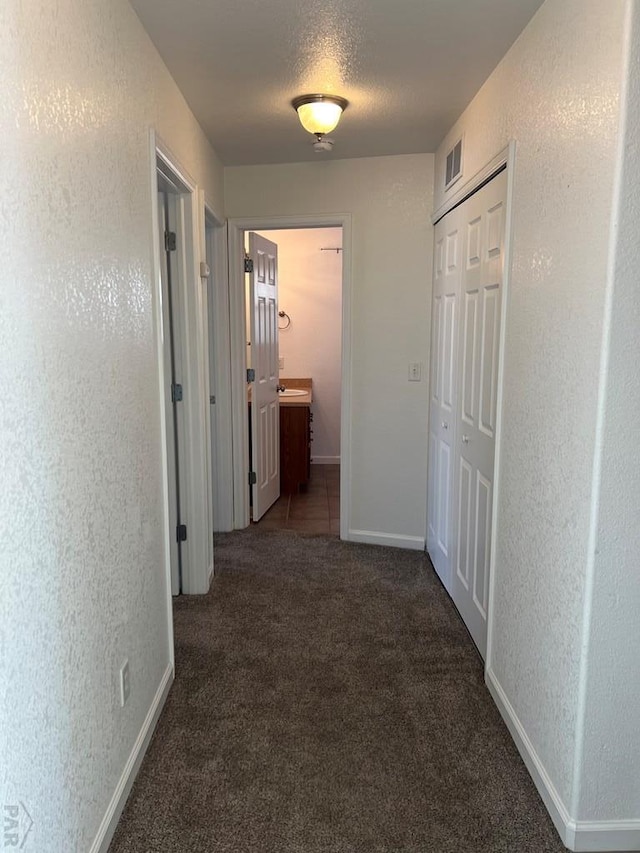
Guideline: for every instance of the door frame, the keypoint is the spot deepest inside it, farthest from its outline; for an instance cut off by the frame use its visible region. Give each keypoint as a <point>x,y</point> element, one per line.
<point>194,334</point>
<point>506,157</point>
<point>237,228</point>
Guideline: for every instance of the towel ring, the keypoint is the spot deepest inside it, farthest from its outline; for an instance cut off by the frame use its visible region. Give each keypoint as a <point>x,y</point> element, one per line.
<point>284,316</point>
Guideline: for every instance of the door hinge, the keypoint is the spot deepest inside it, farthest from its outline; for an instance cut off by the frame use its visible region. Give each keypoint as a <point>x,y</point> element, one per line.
<point>251,374</point>
<point>181,533</point>
<point>212,400</point>
<point>170,241</point>
<point>252,478</point>
<point>248,265</point>
<point>176,393</point>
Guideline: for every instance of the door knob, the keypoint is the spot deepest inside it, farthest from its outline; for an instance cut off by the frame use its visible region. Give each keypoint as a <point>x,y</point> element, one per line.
<point>445,425</point>
<point>465,439</point>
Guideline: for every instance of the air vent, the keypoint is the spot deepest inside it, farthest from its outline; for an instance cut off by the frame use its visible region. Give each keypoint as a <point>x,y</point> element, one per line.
<point>454,165</point>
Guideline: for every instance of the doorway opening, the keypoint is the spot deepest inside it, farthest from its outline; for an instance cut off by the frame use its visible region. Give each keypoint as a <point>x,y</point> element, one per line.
<point>290,367</point>
<point>309,371</point>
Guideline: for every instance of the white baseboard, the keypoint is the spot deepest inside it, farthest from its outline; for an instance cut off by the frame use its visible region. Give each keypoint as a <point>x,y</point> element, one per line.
<point>550,797</point>
<point>125,783</point>
<point>325,460</point>
<point>606,835</point>
<point>393,540</point>
<point>580,836</point>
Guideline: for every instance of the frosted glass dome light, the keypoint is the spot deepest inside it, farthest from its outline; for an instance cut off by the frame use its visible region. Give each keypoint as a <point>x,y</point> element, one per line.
<point>319,114</point>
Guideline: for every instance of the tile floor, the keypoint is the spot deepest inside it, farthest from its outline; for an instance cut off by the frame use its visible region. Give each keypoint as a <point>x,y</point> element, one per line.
<point>316,510</point>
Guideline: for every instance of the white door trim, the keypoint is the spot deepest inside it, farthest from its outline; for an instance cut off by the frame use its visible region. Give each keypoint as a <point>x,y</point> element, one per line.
<point>237,227</point>
<point>196,567</point>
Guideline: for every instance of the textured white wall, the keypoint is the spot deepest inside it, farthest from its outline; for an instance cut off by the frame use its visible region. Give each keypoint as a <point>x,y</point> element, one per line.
<point>557,93</point>
<point>390,199</point>
<point>310,291</point>
<point>610,772</point>
<point>82,569</point>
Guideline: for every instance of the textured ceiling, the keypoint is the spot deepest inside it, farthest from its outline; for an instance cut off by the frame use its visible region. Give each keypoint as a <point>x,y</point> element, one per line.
<point>407,67</point>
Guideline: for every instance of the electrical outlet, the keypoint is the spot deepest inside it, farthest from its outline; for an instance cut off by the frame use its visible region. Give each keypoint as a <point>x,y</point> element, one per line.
<point>415,371</point>
<point>125,683</point>
<point>281,362</point>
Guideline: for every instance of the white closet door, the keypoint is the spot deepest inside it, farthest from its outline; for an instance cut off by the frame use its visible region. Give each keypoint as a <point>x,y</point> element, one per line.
<point>467,296</point>
<point>446,289</point>
<point>478,352</point>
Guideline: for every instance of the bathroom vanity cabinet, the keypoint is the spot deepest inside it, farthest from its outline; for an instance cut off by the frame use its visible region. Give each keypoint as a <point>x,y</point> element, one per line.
<point>295,447</point>
<point>296,436</point>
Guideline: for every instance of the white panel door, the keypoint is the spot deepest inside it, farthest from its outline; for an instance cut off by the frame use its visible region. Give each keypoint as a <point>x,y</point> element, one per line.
<point>442,395</point>
<point>265,411</point>
<point>482,221</point>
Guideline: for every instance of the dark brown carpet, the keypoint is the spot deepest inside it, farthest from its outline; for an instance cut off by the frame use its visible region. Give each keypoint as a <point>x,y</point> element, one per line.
<point>328,698</point>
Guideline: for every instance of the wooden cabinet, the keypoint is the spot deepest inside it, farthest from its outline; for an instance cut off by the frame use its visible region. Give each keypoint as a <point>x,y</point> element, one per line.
<point>295,447</point>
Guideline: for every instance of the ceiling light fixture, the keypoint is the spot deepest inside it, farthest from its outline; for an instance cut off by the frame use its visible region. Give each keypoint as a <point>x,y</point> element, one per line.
<point>319,115</point>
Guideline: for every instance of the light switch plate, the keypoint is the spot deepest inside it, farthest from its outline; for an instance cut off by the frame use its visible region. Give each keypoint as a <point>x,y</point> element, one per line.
<point>415,371</point>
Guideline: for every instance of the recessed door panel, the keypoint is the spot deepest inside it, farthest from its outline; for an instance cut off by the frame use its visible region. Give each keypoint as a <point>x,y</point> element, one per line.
<point>489,359</point>
<point>263,473</point>
<point>433,481</point>
<point>262,333</point>
<point>482,544</point>
<point>465,527</point>
<point>444,491</point>
<point>274,462</point>
<point>452,251</point>
<point>439,257</point>
<point>436,369</point>
<point>473,242</point>
<point>495,230</point>
<point>271,334</point>
<point>449,351</point>
<point>262,266</point>
<point>469,335</point>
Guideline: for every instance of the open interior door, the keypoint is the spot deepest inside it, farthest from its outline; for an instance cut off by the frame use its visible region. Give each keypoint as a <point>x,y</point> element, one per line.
<point>265,411</point>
